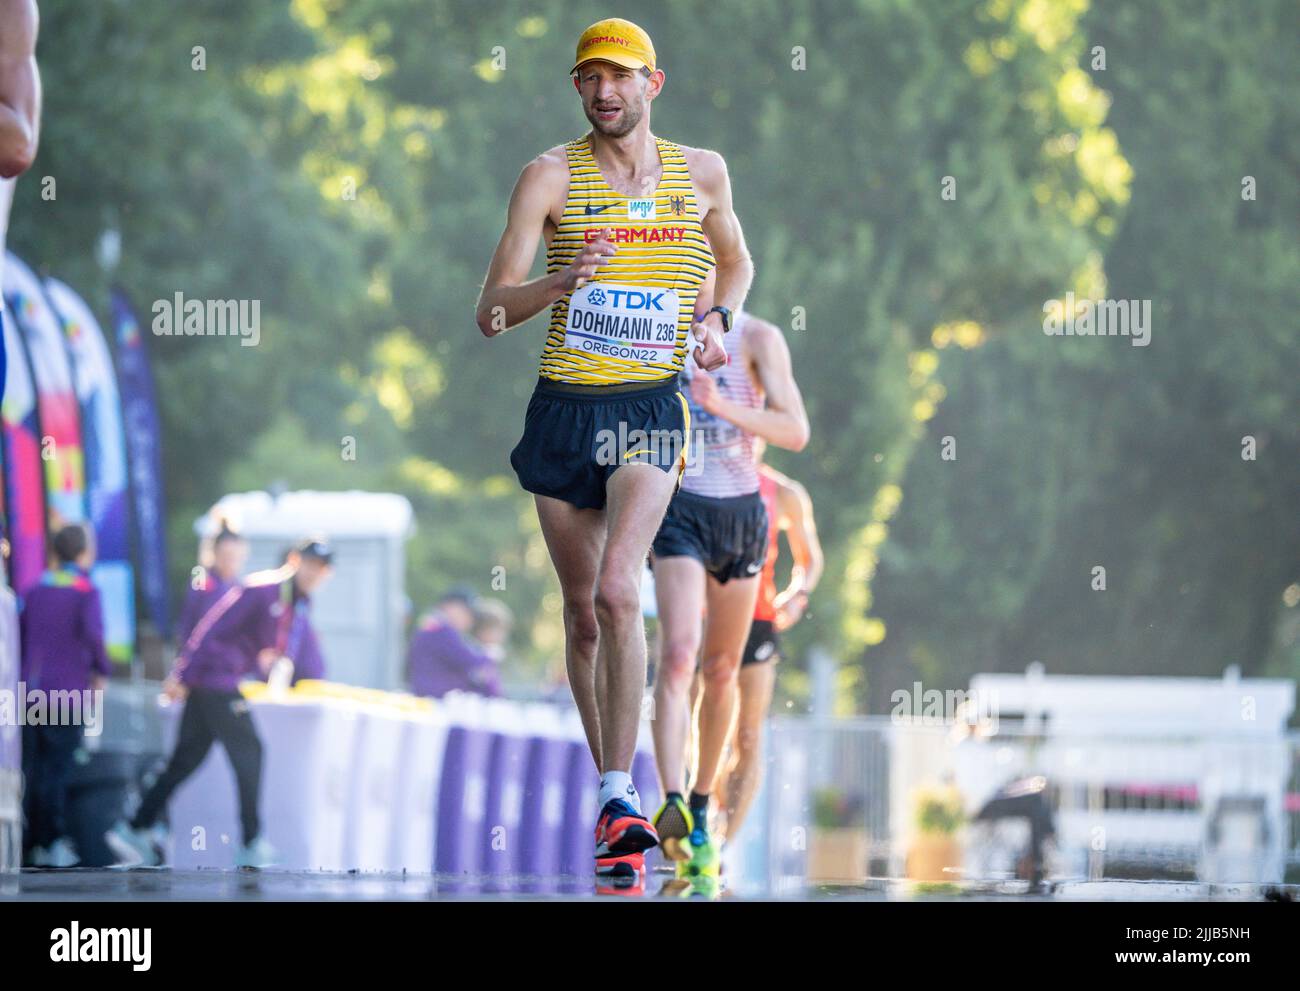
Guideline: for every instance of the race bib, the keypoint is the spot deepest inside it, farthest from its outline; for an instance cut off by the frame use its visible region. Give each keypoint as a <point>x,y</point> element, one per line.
<point>715,433</point>
<point>711,433</point>
<point>634,323</point>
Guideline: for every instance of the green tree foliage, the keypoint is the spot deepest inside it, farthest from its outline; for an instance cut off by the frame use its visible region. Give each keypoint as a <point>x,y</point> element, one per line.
<point>183,164</point>
<point>1082,452</point>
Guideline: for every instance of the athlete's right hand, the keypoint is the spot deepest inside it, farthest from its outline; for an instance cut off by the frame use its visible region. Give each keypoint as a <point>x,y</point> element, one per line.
<point>582,269</point>
<point>174,689</point>
<point>710,354</point>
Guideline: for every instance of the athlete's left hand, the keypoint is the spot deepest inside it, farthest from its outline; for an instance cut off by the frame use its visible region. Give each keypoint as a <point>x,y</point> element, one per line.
<point>705,393</point>
<point>790,611</point>
<point>711,354</point>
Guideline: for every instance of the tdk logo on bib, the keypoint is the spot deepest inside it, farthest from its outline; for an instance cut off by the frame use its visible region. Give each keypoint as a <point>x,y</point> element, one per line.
<point>635,323</point>
<point>641,209</point>
<point>635,299</point>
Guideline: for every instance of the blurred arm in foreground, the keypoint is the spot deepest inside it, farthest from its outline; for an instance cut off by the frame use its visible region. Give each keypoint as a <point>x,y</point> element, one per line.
<point>20,88</point>
<point>20,108</point>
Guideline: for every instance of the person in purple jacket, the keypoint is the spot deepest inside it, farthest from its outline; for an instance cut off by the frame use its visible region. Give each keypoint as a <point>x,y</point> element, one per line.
<point>61,629</point>
<point>441,658</point>
<point>295,638</point>
<point>241,635</point>
<point>208,584</point>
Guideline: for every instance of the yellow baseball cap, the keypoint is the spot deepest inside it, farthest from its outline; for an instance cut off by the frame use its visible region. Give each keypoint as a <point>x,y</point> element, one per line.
<point>618,41</point>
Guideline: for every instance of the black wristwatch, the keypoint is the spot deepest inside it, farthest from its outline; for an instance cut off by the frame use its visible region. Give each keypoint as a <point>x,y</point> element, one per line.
<point>726,317</point>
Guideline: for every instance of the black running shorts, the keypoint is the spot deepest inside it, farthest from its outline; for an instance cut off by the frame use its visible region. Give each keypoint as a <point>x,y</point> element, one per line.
<point>763,645</point>
<point>728,536</point>
<point>576,436</point>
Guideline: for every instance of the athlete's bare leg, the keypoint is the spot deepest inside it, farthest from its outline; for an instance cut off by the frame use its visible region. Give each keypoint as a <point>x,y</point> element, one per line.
<point>730,612</point>
<point>679,591</point>
<point>692,738</point>
<point>637,495</point>
<point>725,766</point>
<point>576,539</point>
<point>739,783</point>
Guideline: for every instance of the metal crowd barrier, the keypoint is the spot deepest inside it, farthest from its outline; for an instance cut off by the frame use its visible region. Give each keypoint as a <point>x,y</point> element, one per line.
<point>1210,808</point>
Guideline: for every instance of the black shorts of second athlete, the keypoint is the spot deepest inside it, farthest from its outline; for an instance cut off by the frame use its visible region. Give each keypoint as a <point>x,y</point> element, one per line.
<point>763,645</point>
<point>728,536</point>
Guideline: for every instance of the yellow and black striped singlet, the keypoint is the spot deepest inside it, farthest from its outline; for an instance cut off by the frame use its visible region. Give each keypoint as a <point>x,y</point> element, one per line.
<point>621,326</point>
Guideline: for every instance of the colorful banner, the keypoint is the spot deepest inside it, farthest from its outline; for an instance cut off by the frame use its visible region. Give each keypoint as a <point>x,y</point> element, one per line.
<point>107,488</point>
<point>4,371</point>
<point>4,501</point>
<point>24,491</point>
<point>140,415</point>
<point>56,400</point>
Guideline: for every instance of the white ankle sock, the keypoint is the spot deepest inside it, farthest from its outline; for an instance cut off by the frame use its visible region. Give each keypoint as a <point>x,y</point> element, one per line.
<point>618,784</point>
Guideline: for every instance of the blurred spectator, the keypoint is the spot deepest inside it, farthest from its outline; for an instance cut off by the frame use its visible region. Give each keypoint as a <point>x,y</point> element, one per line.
<point>62,634</point>
<point>223,565</point>
<point>493,622</point>
<point>442,660</point>
<point>295,636</point>
<point>1025,798</point>
<point>249,629</point>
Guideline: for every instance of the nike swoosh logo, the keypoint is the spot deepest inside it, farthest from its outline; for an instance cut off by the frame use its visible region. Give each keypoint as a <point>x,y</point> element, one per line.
<point>633,454</point>
<point>597,209</point>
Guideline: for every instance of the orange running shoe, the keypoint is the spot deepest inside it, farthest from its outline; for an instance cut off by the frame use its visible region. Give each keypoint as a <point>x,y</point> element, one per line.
<point>621,829</point>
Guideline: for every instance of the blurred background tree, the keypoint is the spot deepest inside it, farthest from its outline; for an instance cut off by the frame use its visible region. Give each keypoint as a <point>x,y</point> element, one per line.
<point>1082,452</point>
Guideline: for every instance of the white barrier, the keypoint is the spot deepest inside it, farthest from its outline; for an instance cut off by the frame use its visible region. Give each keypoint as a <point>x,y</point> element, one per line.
<point>375,781</point>
<point>415,802</point>
<point>354,779</point>
<point>308,758</point>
